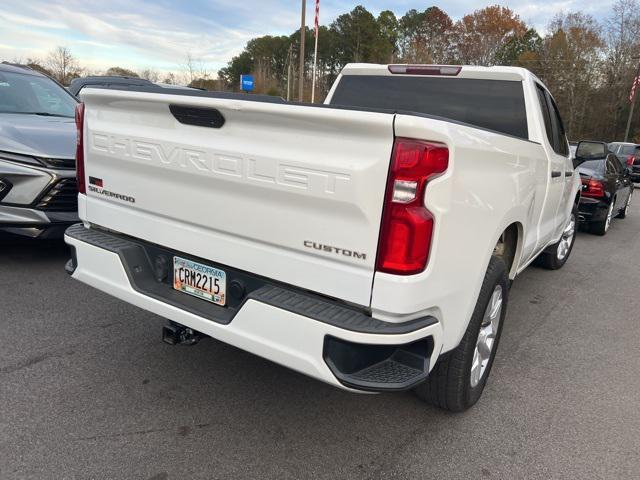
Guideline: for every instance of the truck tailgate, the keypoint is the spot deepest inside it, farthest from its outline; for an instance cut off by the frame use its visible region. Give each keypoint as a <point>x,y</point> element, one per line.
<point>289,192</point>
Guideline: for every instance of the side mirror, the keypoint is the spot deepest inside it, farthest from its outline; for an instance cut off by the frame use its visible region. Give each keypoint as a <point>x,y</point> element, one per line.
<point>590,150</point>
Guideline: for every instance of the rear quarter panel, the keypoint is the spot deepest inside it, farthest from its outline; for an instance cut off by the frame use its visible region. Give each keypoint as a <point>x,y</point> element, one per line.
<point>492,181</point>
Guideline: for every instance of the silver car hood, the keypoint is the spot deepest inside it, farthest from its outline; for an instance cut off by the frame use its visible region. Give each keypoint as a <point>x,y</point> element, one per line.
<point>38,136</point>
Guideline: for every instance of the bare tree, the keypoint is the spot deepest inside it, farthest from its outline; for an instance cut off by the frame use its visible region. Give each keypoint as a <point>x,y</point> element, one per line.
<point>121,72</point>
<point>195,71</point>
<point>150,74</point>
<point>170,79</point>
<point>622,30</point>
<point>62,64</point>
<point>190,67</point>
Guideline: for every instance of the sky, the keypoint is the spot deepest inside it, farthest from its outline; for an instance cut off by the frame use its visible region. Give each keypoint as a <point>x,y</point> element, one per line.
<point>158,34</point>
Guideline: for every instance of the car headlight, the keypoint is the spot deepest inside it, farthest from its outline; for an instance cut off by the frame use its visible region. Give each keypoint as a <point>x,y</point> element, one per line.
<point>59,162</point>
<point>21,159</point>
<point>65,163</point>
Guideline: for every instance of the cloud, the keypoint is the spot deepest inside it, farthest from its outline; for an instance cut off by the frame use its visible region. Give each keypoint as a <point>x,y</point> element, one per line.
<point>160,33</point>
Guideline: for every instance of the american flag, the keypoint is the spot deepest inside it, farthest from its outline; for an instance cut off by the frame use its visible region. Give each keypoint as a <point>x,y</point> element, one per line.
<point>634,87</point>
<point>317,16</point>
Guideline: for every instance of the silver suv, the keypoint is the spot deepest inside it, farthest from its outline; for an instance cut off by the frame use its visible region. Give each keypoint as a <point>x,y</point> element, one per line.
<point>38,192</point>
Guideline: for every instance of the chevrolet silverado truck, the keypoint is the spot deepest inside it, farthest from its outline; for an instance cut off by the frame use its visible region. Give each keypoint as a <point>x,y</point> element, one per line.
<point>369,242</point>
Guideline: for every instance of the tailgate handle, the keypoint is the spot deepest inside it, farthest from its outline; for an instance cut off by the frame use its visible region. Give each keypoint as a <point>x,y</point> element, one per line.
<point>200,117</point>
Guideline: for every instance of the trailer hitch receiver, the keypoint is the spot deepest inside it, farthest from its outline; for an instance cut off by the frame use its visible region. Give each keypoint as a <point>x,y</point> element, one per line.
<point>176,334</point>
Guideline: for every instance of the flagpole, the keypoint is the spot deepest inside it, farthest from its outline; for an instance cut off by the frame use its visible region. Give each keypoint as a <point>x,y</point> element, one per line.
<point>302,38</point>
<point>315,55</point>
<point>633,102</point>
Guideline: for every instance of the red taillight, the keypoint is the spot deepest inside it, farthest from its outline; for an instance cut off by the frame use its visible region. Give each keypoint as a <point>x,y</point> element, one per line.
<point>630,160</point>
<point>443,70</point>
<point>407,226</point>
<point>80,148</point>
<point>592,188</point>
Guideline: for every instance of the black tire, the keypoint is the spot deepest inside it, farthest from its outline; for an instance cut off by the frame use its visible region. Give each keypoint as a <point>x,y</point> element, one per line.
<point>550,259</point>
<point>625,210</point>
<point>601,228</point>
<point>449,384</point>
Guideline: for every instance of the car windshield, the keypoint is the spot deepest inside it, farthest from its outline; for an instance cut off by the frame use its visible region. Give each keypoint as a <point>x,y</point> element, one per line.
<point>592,167</point>
<point>32,94</point>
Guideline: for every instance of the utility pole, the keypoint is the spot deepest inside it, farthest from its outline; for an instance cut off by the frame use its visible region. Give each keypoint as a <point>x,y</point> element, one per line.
<point>302,38</point>
<point>633,100</point>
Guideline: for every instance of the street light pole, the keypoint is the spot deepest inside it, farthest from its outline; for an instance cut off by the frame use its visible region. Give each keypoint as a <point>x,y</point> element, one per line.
<point>633,103</point>
<point>302,39</point>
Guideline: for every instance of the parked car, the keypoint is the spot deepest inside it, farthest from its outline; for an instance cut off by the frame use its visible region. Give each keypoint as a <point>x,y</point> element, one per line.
<point>78,84</point>
<point>629,154</point>
<point>38,192</point>
<point>607,188</point>
<point>626,152</point>
<point>368,243</point>
<point>635,165</point>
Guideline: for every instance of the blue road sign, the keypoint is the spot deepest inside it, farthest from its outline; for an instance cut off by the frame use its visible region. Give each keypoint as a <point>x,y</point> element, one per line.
<point>246,83</point>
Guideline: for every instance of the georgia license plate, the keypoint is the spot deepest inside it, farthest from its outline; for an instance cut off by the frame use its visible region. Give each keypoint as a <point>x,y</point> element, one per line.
<point>199,280</point>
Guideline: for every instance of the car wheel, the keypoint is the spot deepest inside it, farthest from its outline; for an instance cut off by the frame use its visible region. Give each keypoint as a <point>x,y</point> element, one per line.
<point>556,255</point>
<point>601,228</point>
<point>625,211</point>
<point>459,377</point>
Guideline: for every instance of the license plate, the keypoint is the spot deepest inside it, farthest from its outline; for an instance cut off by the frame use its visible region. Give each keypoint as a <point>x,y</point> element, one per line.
<point>200,280</point>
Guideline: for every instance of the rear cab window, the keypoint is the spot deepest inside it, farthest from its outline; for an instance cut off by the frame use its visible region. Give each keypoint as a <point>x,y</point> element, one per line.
<point>496,105</point>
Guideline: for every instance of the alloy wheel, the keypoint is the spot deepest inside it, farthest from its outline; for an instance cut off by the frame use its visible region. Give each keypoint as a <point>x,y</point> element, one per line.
<point>486,336</point>
<point>626,207</point>
<point>607,222</point>
<point>568,235</point>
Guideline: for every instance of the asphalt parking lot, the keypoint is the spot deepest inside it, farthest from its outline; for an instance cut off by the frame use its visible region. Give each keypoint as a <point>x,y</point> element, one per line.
<point>88,390</point>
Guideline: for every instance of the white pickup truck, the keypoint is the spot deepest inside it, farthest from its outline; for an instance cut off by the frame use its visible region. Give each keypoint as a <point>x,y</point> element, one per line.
<point>369,242</point>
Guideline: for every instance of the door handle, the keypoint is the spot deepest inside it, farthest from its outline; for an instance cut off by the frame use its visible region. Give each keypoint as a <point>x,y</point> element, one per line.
<point>556,173</point>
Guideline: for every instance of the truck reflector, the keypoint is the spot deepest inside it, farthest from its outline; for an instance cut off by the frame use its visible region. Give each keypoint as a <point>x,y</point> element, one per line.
<point>407,225</point>
<point>82,188</point>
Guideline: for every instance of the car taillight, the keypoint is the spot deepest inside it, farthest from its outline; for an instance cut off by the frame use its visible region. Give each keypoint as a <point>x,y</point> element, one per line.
<point>80,148</point>
<point>630,160</point>
<point>407,225</point>
<point>443,70</point>
<point>592,188</point>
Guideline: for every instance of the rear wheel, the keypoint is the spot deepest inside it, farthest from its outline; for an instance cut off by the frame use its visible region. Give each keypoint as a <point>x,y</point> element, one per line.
<point>556,255</point>
<point>459,377</point>
<point>601,228</point>
<point>625,211</point>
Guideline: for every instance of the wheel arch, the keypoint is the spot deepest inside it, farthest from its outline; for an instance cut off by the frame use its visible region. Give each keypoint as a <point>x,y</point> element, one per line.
<point>508,246</point>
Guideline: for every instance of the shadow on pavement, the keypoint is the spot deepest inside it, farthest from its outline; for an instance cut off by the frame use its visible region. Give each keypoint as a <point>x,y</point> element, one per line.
<point>15,248</point>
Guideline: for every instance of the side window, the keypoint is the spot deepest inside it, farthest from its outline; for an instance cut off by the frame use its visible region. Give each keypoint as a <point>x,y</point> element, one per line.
<point>559,136</point>
<point>544,107</point>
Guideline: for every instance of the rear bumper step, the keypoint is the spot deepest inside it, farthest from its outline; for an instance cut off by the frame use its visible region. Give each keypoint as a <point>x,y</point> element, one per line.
<point>378,367</point>
<point>318,336</point>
